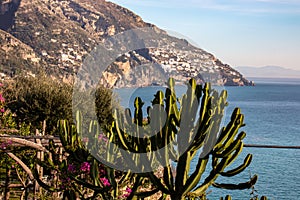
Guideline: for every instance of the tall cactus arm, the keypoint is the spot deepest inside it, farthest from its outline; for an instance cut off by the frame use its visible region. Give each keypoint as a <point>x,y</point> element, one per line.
<point>95,173</point>
<point>121,135</point>
<point>194,179</point>
<point>210,179</point>
<point>138,114</point>
<point>183,167</point>
<point>240,186</point>
<point>231,129</point>
<point>240,168</point>
<point>235,154</point>
<point>229,148</point>
<point>212,119</point>
<point>206,91</point>
<point>187,120</point>
<point>228,135</point>
<point>167,173</point>
<point>168,178</point>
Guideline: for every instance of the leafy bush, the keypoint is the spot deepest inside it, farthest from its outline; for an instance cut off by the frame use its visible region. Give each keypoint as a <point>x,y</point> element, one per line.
<point>37,98</point>
<point>105,101</point>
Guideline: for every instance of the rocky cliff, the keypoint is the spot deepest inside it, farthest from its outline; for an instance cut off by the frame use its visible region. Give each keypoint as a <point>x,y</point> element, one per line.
<point>57,35</point>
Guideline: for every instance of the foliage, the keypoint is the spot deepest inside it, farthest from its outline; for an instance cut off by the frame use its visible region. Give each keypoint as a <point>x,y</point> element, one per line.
<point>104,105</point>
<point>191,126</point>
<point>80,175</point>
<point>6,117</point>
<point>7,163</point>
<point>39,98</point>
<point>34,99</point>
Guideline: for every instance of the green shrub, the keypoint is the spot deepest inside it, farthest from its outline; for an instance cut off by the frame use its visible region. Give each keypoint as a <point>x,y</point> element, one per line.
<point>104,102</point>
<point>37,98</point>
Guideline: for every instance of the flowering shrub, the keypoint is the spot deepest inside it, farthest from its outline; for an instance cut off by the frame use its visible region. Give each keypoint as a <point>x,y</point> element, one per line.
<point>85,167</point>
<point>5,144</point>
<point>81,176</point>
<point>127,192</point>
<point>2,100</point>
<point>71,168</point>
<point>105,182</point>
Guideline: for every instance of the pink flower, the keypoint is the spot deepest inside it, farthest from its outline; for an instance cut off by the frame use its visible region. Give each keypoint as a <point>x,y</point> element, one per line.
<point>71,168</point>
<point>1,84</point>
<point>128,192</point>
<point>102,137</point>
<point>2,110</point>
<point>85,167</point>
<point>3,145</point>
<point>105,182</point>
<point>2,98</point>
<point>85,140</point>
<point>128,189</point>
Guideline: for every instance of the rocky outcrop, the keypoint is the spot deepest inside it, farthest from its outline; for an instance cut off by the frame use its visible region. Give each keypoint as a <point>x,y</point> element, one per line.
<point>61,33</point>
<point>16,56</point>
<point>7,12</point>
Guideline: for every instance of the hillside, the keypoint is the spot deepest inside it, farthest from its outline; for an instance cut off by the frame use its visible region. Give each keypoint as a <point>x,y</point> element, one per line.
<point>57,35</point>
<point>15,55</point>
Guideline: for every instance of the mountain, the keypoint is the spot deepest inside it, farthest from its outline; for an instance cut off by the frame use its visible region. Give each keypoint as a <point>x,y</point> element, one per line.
<point>15,55</point>
<point>269,72</point>
<point>57,36</point>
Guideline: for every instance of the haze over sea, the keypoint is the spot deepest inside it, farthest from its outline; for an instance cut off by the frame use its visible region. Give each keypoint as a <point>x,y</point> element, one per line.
<point>272,117</point>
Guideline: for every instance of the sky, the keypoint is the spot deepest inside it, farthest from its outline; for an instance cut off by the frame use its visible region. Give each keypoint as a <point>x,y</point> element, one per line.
<point>239,32</point>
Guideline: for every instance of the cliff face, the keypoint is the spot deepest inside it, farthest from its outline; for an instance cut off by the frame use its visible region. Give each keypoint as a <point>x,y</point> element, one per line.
<point>16,56</point>
<point>7,12</point>
<point>59,34</point>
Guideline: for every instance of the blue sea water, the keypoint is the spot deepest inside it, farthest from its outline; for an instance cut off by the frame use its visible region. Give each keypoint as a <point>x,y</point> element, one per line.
<point>272,117</point>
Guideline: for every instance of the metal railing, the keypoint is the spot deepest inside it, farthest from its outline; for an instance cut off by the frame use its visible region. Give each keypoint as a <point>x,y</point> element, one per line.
<point>271,146</point>
<point>46,138</point>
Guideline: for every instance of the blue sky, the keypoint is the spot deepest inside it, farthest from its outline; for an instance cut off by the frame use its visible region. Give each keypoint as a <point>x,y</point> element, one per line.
<point>239,32</point>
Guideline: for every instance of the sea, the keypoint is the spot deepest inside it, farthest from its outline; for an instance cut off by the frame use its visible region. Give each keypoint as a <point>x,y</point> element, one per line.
<point>272,117</point>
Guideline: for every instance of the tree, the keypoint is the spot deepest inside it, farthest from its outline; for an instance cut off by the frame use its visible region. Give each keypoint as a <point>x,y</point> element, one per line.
<point>39,98</point>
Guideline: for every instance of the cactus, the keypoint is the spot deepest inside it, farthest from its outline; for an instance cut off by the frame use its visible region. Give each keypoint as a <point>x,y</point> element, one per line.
<point>192,126</point>
<point>87,177</point>
<point>189,126</point>
<point>71,139</point>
